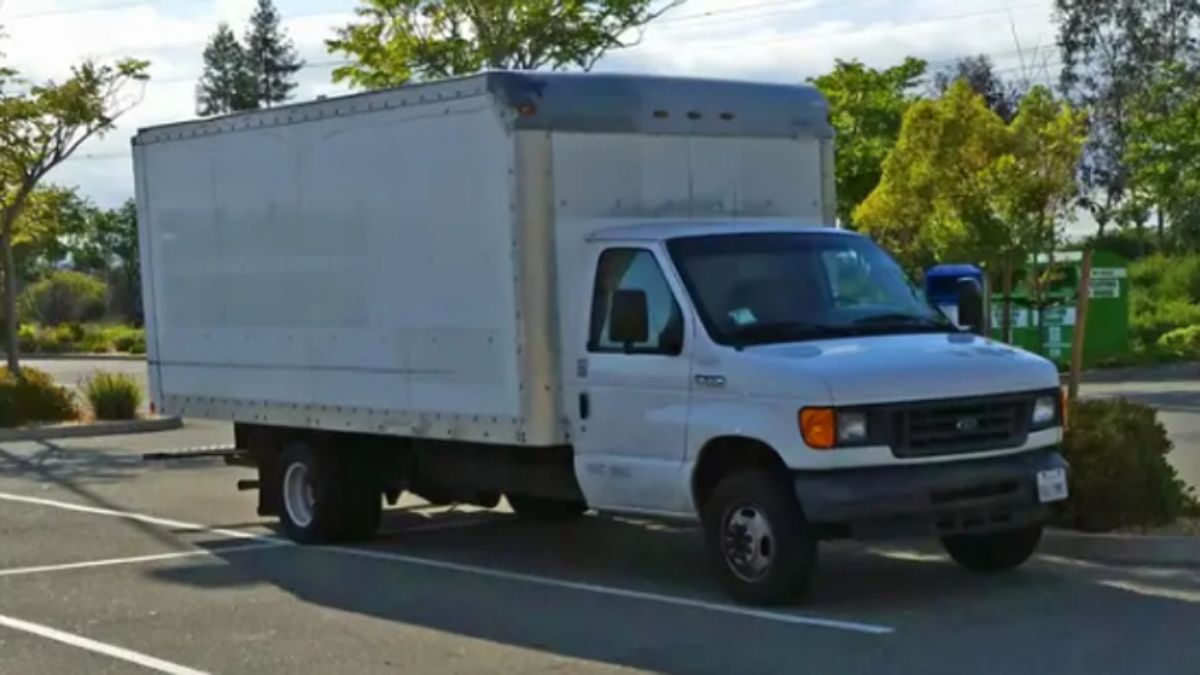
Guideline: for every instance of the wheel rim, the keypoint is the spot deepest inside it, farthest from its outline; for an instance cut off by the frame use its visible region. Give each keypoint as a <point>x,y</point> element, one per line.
<point>298,496</point>
<point>748,542</point>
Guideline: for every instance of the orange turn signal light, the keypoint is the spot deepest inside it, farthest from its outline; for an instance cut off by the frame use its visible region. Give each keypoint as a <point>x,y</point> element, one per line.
<point>818,426</point>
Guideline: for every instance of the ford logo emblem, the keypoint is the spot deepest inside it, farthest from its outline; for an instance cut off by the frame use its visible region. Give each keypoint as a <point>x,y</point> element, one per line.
<point>967,424</point>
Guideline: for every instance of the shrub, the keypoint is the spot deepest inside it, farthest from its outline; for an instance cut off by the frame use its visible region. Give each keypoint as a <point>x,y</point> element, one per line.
<point>33,397</point>
<point>27,338</point>
<point>1184,342</point>
<point>1119,471</point>
<point>132,340</point>
<point>113,396</point>
<point>96,340</point>
<point>62,297</point>
<point>1154,318</point>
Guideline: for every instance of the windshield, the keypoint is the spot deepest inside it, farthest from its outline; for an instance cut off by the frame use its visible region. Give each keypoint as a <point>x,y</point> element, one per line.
<point>762,288</point>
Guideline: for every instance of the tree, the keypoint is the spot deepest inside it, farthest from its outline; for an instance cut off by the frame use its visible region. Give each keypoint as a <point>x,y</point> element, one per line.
<point>1032,185</point>
<point>1110,51</point>
<point>40,127</point>
<point>932,201</point>
<point>271,56</point>
<point>866,110</point>
<point>113,247</point>
<point>54,216</point>
<point>1163,149</point>
<point>228,83</point>
<point>979,72</point>
<point>961,185</point>
<point>397,41</point>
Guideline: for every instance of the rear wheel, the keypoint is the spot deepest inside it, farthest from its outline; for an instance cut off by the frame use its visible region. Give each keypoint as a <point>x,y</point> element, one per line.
<point>326,496</point>
<point>995,551</point>
<point>542,508</point>
<point>758,542</point>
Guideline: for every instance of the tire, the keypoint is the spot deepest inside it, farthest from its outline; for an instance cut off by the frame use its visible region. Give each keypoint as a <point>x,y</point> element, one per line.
<point>779,567</point>
<point>541,508</point>
<point>325,497</point>
<point>995,551</point>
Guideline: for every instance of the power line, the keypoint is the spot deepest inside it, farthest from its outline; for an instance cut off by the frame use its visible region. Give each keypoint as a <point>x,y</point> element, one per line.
<point>126,4</point>
<point>129,4</point>
<point>872,29</point>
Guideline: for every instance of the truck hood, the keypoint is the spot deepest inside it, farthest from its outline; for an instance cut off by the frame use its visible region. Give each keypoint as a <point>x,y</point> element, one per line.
<point>897,368</point>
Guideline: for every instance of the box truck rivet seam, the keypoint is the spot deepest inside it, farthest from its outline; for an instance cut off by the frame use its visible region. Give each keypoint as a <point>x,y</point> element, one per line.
<point>677,331</point>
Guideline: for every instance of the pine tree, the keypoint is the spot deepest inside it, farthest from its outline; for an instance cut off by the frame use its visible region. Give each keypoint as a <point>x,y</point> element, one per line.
<point>271,56</point>
<point>227,84</point>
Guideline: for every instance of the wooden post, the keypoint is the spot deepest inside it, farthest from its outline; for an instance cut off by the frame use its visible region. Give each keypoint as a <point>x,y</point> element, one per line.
<point>1081,307</point>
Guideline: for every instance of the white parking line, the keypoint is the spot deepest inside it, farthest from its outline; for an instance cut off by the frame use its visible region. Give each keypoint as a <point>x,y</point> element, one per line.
<point>80,642</point>
<point>598,589</point>
<point>127,515</point>
<point>133,560</point>
<point>784,617</point>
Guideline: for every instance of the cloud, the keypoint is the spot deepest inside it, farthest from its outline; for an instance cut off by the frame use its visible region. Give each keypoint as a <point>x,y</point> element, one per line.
<point>776,40</point>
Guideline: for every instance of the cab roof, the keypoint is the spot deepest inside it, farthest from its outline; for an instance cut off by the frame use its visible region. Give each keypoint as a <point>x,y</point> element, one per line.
<point>667,230</point>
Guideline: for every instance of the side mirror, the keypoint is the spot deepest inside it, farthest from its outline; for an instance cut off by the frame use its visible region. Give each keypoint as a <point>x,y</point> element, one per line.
<point>629,318</point>
<point>970,305</point>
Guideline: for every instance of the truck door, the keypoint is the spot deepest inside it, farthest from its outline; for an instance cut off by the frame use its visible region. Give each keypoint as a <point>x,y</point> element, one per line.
<point>632,386</point>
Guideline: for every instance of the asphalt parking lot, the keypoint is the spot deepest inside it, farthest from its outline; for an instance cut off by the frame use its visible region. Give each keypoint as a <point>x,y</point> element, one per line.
<point>110,565</point>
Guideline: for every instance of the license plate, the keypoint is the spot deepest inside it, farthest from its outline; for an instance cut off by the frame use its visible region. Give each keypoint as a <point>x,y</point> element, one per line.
<point>1052,485</point>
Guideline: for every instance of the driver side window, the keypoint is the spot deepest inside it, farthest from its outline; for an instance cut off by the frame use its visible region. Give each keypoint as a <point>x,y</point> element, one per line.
<point>631,269</point>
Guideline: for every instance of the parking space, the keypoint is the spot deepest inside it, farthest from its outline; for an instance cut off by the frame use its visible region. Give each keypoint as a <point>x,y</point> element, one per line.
<point>111,565</point>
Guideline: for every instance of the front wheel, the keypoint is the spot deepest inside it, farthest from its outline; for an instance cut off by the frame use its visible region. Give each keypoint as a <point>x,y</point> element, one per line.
<point>995,551</point>
<point>758,541</point>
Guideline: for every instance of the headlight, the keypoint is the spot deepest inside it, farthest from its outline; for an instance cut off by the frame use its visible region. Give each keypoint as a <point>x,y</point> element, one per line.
<point>1045,412</point>
<point>851,427</point>
<point>826,428</point>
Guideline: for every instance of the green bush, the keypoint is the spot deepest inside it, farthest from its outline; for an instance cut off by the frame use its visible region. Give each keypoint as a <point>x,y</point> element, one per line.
<point>1164,296</point>
<point>88,339</point>
<point>63,297</point>
<point>1183,342</point>
<point>96,340</point>
<point>113,396</point>
<point>27,338</point>
<point>127,339</point>
<point>1119,474</point>
<point>1169,276</point>
<point>33,397</point>
<point>1152,320</point>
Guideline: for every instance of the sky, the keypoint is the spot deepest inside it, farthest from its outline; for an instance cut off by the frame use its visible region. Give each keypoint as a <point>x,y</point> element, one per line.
<point>772,40</point>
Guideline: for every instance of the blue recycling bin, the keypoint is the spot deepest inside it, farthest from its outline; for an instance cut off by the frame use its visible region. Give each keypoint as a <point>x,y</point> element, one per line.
<point>941,286</point>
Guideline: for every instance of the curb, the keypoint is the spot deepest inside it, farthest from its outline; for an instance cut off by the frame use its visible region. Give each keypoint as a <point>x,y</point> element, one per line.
<point>90,430</point>
<point>83,357</point>
<point>1167,372</point>
<point>1125,549</point>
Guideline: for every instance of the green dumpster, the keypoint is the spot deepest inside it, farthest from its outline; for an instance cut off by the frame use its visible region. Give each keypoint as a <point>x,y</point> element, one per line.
<point>1051,331</point>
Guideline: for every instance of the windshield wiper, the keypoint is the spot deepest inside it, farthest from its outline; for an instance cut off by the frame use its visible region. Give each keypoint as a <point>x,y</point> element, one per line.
<point>899,320</point>
<point>764,333</point>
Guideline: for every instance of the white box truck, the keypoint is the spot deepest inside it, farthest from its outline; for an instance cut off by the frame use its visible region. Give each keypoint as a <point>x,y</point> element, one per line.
<point>580,292</point>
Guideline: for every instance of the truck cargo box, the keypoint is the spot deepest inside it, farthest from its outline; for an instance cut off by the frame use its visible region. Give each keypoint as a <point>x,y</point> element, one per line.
<point>387,262</point>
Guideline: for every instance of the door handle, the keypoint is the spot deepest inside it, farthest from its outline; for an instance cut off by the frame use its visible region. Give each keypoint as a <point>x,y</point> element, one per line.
<point>710,381</point>
<point>585,406</point>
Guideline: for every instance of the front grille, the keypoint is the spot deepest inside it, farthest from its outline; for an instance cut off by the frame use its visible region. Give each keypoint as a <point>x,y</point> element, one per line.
<point>957,426</point>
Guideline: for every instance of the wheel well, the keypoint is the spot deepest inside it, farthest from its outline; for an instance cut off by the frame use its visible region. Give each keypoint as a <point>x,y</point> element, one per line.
<point>727,454</point>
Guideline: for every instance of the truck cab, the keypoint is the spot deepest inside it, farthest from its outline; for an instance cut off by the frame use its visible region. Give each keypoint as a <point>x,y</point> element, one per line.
<point>785,384</point>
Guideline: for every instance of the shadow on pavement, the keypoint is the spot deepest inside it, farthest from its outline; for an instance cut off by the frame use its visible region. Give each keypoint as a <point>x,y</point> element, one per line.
<point>914,589</point>
<point>72,470</point>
